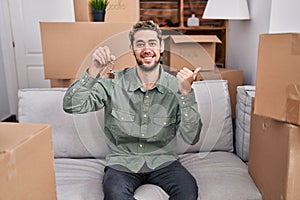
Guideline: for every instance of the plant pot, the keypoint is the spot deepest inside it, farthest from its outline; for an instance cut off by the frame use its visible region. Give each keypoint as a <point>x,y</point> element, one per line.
<point>98,15</point>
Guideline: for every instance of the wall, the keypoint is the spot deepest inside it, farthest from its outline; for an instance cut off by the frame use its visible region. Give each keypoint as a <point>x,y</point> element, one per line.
<point>243,38</point>
<point>285,16</point>
<point>8,74</point>
<point>4,104</point>
<point>267,16</point>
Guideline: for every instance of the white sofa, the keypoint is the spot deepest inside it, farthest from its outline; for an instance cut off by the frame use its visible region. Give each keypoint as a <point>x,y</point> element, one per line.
<point>80,149</point>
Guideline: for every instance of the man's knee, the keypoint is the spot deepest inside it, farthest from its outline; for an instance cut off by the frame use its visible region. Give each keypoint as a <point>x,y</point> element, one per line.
<point>117,192</point>
<point>187,191</point>
<point>116,186</point>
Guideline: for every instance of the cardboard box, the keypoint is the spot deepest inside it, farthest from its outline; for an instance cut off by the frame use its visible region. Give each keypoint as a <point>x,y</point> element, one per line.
<point>26,162</point>
<point>274,158</point>
<point>117,11</point>
<point>67,46</point>
<point>234,78</point>
<point>191,51</point>
<point>278,77</point>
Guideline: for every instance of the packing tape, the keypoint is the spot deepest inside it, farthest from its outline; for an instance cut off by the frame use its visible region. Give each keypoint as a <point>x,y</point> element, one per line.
<point>11,164</point>
<point>8,172</point>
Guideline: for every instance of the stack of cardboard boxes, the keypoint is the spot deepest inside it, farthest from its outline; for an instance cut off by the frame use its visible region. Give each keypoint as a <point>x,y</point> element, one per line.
<point>67,46</point>
<point>274,158</point>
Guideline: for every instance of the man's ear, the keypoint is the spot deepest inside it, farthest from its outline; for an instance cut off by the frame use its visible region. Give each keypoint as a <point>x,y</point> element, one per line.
<point>131,48</point>
<point>162,46</point>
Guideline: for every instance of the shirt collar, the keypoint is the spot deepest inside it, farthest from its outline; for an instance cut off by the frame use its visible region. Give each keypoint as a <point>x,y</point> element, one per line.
<point>135,83</point>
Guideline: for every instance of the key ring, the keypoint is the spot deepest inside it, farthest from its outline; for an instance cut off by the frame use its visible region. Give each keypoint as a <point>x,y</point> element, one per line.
<point>111,73</point>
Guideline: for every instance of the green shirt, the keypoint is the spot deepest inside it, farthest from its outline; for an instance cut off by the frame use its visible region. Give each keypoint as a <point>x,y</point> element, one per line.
<point>140,125</point>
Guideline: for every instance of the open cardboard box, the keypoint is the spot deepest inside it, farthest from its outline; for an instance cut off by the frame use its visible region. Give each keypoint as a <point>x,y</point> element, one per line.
<point>191,51</point>
<point>278,77</point>
<point>117,11</point>
<point>26,162</point>
<point>274,158</point>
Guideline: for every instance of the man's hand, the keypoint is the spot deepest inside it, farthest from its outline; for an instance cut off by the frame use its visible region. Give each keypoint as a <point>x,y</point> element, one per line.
<point>185,79</point>
<point>101,58</point>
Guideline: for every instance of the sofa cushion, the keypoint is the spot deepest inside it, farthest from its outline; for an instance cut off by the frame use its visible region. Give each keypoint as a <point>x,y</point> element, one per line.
<point>219,175</point>
<point>79,179</point>
<point>74,136</point>
<point>214,107</point>
<point>243,119</point>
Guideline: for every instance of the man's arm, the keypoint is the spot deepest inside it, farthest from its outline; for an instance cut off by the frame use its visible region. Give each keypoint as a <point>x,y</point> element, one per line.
<point>190,122</point>
<point>88,93</point>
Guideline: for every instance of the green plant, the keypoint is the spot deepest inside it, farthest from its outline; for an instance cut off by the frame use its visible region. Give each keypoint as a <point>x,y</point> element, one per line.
<point>99,4</point>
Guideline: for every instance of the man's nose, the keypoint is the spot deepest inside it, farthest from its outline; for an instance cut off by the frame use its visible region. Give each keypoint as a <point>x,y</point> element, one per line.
<point>147,49</point>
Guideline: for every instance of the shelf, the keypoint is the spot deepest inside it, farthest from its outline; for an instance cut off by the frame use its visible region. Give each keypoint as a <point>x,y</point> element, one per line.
<point>172,15</point>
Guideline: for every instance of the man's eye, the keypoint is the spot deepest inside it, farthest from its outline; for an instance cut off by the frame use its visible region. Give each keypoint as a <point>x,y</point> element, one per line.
<point>152,44</point>
<point>139,44</point>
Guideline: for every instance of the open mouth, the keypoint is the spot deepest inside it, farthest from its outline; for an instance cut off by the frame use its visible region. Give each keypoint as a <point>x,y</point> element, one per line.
<point>148,56</point>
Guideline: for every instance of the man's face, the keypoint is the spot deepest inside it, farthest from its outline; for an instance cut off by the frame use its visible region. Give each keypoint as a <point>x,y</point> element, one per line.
<point>146,48</point>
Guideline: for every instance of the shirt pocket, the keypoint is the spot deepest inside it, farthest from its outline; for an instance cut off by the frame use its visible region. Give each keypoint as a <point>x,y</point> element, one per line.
<point>162,130</point>
<point>122,125</point>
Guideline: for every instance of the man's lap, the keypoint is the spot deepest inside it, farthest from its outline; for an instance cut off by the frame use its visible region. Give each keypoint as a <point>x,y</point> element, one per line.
<point>173,178</point>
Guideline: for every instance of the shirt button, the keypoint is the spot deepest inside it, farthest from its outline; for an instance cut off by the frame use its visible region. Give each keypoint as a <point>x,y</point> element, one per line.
<point>143,135</point>
<point>183,103</point>
<point>186,114</point>
<point>147,96</point>
<point>165,123</point>
<point>73,89</point>
<point>141,145</point>
<point>182,97</point>
<point>145,116</point>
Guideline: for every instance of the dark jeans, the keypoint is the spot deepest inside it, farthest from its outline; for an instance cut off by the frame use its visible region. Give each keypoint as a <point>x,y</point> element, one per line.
<point>174,179</point>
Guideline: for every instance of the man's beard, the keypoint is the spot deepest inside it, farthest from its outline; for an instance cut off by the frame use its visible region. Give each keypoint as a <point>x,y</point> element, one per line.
<point>146,68</point>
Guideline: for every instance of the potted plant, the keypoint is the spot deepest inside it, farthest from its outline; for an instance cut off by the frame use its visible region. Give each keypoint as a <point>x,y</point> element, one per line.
<point>98,9</point>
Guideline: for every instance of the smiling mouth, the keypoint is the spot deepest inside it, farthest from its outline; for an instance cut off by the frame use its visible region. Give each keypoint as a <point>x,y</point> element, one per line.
<point>148,55</point>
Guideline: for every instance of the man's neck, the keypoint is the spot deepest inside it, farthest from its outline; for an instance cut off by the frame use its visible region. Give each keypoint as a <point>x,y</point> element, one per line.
<point>149,78</point>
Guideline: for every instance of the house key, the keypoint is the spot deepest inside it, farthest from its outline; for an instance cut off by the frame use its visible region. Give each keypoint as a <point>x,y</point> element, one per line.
<point>111,74</point>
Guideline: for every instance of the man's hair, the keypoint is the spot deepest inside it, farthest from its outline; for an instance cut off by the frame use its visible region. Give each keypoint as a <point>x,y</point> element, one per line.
<point>145,25</point>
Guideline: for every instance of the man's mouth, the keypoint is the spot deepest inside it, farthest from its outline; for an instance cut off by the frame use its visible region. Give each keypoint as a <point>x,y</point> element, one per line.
<point>148,56</point>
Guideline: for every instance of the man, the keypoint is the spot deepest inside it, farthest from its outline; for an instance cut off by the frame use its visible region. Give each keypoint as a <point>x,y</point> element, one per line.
<point>145,108</point>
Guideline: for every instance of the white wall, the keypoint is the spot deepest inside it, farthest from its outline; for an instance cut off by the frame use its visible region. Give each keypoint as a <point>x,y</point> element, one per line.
<point>243,39</point>
<point>8,74</point>
<point>267,16</point>
<point>4,104</point>
<point>285,16</point>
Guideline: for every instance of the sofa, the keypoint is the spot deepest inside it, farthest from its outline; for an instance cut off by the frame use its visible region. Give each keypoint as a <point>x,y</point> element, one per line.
<point>80,148</point>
